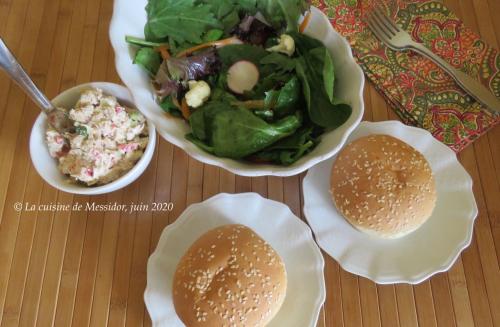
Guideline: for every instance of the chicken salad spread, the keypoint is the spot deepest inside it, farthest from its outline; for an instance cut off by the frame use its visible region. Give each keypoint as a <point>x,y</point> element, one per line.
<point>107,141</point>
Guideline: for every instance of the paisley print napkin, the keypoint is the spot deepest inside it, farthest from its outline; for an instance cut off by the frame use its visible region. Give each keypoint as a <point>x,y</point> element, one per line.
<point>419,91</point>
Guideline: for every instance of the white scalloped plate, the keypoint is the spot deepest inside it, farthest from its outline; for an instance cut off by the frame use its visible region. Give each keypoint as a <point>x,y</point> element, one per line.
<point>129,18</point>
<point>432,248</point>
<point>274,222</point>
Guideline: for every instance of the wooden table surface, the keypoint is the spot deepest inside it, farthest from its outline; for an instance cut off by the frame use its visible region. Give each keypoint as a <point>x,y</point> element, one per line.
<point>79,268</point>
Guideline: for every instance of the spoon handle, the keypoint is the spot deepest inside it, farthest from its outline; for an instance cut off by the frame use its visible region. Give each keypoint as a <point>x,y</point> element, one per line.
<point>9,63</point>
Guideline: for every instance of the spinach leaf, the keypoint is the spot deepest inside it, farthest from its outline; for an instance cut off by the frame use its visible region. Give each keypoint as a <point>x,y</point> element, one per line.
<point>219,91</point>
<point>314,67</point>
<point>268,82</point>
<point>267,115</point>
<point>284,101</point>
<point>180,20</point>
<point>236,52</point>
<point>278,61</point>
<point>197,122</point>
<point>290,149</point>
<point>328,70</point>
<point>321,111</point>
<point>207,148</point>
<point>168,106</point>
<point>149,59</point>
<point>234,132</point>
<point>304,43</point>
<point>321,57</point>
<point>281,12</point>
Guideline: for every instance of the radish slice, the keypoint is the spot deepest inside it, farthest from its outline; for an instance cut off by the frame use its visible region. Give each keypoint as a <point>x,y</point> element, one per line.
<point>242,76</point>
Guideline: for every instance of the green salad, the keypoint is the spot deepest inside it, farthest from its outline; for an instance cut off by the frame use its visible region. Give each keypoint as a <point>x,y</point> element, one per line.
<point>241,73</point>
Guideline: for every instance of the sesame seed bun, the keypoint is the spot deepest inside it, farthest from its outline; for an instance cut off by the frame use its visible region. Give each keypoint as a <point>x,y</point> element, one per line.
<point>229,277</point>
<point>383,186</point>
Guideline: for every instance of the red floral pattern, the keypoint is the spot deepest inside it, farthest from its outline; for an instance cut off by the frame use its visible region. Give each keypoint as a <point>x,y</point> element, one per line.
<point>345,18</point>
<point>419,91</point>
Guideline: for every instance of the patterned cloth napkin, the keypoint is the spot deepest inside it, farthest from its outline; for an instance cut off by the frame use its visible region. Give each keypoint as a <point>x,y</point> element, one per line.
<point>421,93</point>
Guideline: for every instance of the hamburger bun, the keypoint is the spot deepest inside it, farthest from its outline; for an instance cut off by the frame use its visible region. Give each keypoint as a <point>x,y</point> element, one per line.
<point>383,186</point>
<point>229,277</point>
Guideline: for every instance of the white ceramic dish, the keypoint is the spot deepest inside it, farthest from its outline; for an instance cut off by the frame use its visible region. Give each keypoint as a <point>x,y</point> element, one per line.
<point>46,166</point>
<point>129,18</point>
<point>274,222</point>
<point>432,248</point>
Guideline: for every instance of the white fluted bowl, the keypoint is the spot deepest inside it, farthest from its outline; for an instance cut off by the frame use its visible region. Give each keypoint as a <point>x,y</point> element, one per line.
<point>129,18</point>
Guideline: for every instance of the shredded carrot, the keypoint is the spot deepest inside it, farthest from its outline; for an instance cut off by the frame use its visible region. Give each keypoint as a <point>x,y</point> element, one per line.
<point>218,44</point>
<point>305,22</point>
<point>163,50</point>
<point>185,109</point>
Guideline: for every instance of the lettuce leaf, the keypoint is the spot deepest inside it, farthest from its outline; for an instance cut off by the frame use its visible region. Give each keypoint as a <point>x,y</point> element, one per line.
<point>282,13</point>
<point>187,20</point>
<point>148,59</point>
<point>194,67</point>
<point>278,13</point>
<point>180,20</point>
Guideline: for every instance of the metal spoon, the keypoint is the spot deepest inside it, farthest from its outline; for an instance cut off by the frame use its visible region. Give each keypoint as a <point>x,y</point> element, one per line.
<point>58,118</point>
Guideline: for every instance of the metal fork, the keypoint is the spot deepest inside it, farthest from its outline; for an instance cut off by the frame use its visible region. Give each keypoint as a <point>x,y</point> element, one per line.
<point>396,38</point>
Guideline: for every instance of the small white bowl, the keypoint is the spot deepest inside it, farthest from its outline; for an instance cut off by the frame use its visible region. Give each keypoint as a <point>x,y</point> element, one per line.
<point>46,166</point>
<point>129,18</point>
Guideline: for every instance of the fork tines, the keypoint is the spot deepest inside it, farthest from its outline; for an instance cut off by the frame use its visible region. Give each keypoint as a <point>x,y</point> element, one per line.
<point>381,25</point>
